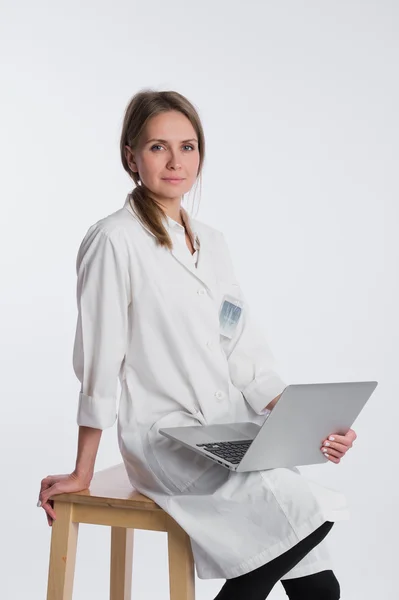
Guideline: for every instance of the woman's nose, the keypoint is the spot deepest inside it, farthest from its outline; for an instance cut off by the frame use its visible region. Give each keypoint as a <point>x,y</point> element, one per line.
<point>174,161</point>
<point>174,164</point>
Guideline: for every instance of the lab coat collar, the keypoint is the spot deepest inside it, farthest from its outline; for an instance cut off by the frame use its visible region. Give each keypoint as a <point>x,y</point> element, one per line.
<point>203,271</point>
<point>174,227</point>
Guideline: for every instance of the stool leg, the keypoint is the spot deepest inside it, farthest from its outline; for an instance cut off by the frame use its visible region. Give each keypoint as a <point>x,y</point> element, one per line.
<point>121,563</point>
<point>181,563</point>
<point>64,537</point>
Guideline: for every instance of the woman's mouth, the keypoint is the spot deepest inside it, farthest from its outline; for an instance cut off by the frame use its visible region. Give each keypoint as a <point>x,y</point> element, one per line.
<point>172,179</point>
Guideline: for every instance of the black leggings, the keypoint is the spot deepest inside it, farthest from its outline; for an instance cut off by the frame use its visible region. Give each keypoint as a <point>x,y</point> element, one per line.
<point>257,584</point>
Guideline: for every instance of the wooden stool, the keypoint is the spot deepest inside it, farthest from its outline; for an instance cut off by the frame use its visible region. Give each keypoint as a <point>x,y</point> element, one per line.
<point>112,501</point>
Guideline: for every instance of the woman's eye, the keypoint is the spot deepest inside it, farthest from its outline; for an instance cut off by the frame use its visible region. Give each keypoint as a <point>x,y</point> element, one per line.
<point>159,146</point>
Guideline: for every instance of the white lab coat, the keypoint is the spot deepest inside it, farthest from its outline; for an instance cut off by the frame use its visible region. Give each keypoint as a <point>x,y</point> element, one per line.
<point>150,316</point>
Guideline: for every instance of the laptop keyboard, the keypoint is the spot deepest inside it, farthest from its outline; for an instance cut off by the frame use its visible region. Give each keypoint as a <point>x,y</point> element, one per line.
<point>231,451</point>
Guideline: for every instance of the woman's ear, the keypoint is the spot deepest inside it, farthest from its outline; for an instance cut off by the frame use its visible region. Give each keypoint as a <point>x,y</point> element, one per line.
<point>129,154</point>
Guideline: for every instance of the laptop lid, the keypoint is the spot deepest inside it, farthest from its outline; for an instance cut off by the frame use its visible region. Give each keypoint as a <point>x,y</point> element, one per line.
<point>304,415</point>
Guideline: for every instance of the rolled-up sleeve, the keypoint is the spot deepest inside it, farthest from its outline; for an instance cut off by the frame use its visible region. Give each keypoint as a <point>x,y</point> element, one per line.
<point>252,366</point>
<point>103,297</point>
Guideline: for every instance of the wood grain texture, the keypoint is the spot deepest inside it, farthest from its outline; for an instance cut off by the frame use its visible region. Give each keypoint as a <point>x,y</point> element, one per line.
<point>116,516</point>
<point>121,563</point>
<point>181,563</point>
<point>64,538</point>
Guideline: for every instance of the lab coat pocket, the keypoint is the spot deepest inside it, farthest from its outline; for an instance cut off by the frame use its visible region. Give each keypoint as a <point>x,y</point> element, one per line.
<point>231,312</point>
<point>232,291</point>
<point>174,464</point>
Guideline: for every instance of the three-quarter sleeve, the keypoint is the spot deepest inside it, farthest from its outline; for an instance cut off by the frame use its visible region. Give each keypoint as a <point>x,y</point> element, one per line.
<point>103,297</point>
<point>252,366</point>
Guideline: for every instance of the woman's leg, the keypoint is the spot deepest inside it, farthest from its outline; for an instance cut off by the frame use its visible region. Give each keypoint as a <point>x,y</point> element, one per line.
<point>318,586</point>
<point>257,584</point>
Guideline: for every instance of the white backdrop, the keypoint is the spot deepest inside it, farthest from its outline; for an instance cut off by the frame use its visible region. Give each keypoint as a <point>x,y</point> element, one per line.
<point>299,105</point>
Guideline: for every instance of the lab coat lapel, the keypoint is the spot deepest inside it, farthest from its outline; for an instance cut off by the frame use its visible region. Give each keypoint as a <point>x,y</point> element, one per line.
<point>204,270</point>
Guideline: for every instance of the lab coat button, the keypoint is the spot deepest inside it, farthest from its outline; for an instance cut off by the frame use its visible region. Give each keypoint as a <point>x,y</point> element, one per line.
<point>202,291</point>
<point>210,345</point>
<point>219,394</point>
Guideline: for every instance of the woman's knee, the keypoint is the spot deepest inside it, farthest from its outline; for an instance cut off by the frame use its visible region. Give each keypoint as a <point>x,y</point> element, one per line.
<point>318,586</point>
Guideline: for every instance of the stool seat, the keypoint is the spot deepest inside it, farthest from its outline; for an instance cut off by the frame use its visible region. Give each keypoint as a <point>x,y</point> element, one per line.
<point>112,501</point>
<point>111,485</point>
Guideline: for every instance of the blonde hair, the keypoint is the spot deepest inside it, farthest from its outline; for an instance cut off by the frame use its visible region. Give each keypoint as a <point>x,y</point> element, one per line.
<point>141,108</point>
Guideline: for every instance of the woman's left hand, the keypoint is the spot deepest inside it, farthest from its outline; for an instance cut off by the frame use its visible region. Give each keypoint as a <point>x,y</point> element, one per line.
<point>336,446</point>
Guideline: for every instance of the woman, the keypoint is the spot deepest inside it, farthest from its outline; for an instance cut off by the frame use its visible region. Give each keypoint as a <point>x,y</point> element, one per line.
<point>150,283</point>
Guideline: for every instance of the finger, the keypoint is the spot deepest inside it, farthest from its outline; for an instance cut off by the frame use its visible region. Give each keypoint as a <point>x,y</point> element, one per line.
<point>351,435</point>
<point>46,502</point>
<point>341,439</point>
<point>332,458</point>
<point>49,510</point>
<point>332,452</point>
<point>48,492</point>
<point>336,446</point>
<point>44,486</point>
<point>49,481</point>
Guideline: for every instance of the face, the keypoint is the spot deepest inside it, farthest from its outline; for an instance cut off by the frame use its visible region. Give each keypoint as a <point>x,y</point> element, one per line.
<point>167,157</point>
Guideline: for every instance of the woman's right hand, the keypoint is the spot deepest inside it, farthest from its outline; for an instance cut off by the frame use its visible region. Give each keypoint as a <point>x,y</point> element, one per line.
<point>58,484</point>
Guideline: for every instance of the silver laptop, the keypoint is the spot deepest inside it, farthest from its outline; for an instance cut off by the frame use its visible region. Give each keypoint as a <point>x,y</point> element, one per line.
<point>291,434</point>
